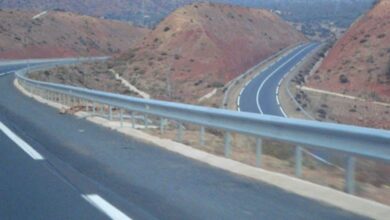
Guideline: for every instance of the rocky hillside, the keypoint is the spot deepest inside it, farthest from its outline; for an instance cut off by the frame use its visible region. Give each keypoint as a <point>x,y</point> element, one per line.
<point>130,10</point>
<point>62,34</point>
<point>359,64</point>
<point>201,47</point>
<point>339,12</point>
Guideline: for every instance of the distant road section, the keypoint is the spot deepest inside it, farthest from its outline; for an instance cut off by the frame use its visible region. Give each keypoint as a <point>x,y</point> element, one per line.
<point>261,94</point>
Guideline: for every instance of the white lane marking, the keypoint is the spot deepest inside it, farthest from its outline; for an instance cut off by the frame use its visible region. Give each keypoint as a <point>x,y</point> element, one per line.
<point>39,15</point>
<point>270,75</point>
<point>277,95</point>
<point>242,90</point>
<point>239,98</point>
<point>265,69</point>
<point>105,207</point>
<point>21,143</point>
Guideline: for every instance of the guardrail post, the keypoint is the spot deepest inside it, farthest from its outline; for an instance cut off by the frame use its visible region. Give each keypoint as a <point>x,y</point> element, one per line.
<point>60,98</point>
<point>162,124</point>
<point>63,102</point>
<point>86,105</point>
<point>68,100</point>
<point>93,107</point>
<point>259,151</point>
<point>298,161</point>
<point>228,147</point>
<point>180,132</point>
<point>132,120</point>
<point>350,175</point>
<point>102,110</point>
<point>146,123</point>
<point>121,117</point>
<point>202,139</point>
<point>110,113</point>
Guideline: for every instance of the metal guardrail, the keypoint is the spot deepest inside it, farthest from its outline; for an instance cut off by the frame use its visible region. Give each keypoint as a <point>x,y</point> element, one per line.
<point>352,140</point>
<point>51,60</point>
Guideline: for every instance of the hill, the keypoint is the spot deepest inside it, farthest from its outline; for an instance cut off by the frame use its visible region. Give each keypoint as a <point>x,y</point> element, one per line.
<point>62,34</point>
<point>359,63</point>
<point>199,48</point>
<point>340,12</point>
<point>352,83</point>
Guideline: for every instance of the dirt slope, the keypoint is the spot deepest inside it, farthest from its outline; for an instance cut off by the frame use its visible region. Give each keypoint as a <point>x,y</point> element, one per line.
<point>203,46</point>
<point>59,34</point>
<point>195,50</point>
<point>359,64</point>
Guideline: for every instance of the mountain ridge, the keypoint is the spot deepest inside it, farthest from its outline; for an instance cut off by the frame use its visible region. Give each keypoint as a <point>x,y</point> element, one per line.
<point>199,48</point>
<point>62,34</point>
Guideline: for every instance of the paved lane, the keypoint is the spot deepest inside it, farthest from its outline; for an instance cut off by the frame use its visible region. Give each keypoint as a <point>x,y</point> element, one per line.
<point>30,190</point>
<point>260,95</point>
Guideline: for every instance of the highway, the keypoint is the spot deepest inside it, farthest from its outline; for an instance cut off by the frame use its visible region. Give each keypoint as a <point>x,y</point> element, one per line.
<point>57,166</point>
<point>260,95</point>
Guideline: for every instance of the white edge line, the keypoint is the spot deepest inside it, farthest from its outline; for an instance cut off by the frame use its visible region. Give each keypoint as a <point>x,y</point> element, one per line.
<point>21,143</point>
<point>105,207</point>
<point>242,90</point>
<point>277,100</point>
<point>256,75</point>
<point>276,70</point>
<point>39,15</point>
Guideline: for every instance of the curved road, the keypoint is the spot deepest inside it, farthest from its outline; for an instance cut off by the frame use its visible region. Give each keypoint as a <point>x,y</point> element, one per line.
<point>62,167</point>
<point>260,94</point>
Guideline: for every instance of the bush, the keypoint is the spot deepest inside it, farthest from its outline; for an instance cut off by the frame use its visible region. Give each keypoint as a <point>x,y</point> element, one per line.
<point>343,79</point>
<point>370,59</point>
<point>381,36</point>
<point>217,85</point>
<point>166,29</point>
<point>363,41</point>
<point>230,15</point>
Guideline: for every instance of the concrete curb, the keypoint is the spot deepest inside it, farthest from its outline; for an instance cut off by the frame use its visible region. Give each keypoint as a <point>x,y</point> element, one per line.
<point>300,187</point>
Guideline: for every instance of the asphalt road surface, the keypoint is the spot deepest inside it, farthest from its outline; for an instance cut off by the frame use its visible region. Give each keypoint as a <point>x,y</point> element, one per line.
<point>56,166</point>
<point>260,95</point>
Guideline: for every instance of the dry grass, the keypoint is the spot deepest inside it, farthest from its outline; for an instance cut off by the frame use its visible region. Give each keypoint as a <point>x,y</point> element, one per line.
<point>373,180</point>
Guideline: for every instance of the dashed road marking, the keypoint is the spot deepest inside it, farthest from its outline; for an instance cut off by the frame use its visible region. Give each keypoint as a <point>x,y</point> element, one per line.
<point>21,143</point>
<point>104,206</point>
<point>271,74</point>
